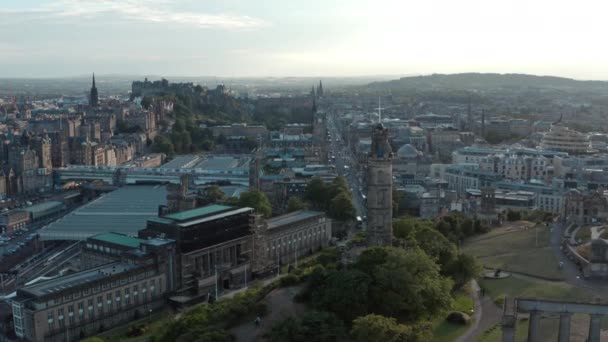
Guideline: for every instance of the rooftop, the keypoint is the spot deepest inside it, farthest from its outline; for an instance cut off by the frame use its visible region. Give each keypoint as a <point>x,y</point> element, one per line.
<point>80,278</point>
<point>118,239</point>
<point>223,163</point>
<point>182,161</point>
<point>43,206</point>
<point>197,212</point>
<point>125,210</point>
<point>291,218</point>
<point>220,215</point>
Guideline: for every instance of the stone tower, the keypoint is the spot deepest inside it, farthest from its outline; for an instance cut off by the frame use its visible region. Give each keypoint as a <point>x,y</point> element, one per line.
<point>380,190</point>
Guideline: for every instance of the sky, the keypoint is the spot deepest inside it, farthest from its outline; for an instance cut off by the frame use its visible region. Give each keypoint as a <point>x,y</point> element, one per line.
<point>262,38</point>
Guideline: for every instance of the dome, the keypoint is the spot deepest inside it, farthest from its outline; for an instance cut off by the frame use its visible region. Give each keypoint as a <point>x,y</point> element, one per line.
<point>407,151</point>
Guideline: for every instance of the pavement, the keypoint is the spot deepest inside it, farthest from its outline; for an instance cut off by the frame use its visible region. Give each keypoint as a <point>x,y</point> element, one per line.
<point>487,314</point>
<point>280,305</point>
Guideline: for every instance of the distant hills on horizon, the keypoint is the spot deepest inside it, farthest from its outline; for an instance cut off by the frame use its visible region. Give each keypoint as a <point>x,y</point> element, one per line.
<point>487,81</point>
<point>379,83</point>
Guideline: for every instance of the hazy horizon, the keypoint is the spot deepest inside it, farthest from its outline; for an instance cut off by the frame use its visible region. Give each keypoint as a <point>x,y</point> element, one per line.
<point>247,39</point>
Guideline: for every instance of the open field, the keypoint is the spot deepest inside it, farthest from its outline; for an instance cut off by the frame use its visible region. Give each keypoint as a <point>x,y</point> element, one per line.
<point>531,288</point>
<point>517,247</point>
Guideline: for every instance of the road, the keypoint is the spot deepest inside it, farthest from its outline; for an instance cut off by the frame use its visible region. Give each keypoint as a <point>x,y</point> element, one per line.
<point>346,165</point>
<point>570,270</point>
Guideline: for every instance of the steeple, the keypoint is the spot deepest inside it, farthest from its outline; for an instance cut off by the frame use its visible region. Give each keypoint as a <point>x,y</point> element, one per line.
<point>320,89</point>
<point>94,97</point>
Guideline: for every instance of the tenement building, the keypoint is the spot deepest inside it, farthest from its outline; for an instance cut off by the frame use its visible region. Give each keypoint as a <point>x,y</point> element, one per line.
<point>84,303</point>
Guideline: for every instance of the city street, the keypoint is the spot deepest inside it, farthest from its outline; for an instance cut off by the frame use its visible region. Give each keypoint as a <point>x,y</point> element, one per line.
<point>346,165</point>
<point>570,269</point>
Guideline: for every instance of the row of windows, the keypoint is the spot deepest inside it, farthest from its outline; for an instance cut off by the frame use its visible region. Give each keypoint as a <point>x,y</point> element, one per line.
<point>298,236</point>
<point>104,303</point>
<point>104,286</point>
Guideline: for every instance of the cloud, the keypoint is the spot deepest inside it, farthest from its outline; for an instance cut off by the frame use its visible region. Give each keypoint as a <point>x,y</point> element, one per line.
<point>151,11</point>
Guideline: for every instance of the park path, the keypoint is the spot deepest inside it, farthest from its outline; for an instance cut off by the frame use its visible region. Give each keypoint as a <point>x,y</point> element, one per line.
<point>280,306</point>
<point>487,314</point>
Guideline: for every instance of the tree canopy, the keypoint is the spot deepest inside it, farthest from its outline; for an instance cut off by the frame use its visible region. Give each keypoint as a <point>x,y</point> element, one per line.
<point>405,283</point>
<point>335,198</point>
<point>295,204</point>
<point>316,326</point>
<point>386,329</point>
<point>257,200</point>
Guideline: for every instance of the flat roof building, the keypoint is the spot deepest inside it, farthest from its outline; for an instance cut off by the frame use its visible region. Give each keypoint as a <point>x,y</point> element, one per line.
<point>73,306</point>
<point>125,210</point>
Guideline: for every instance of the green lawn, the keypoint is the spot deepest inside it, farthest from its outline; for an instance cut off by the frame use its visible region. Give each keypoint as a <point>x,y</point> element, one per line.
<point>518,250</point>
<point>448,332</point>
<point>464,304</point>
<point>528,288</point>
<point>583,234</point>
<point>154,326</point>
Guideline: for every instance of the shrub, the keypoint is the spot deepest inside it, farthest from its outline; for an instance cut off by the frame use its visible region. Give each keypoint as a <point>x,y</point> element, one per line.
<point>500,300</point>
<point>289,280</point>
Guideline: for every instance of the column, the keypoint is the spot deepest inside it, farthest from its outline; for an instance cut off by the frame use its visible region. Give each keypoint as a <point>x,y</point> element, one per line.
<point>594,328</point>
<point>508,328</point>
<point>564,327</point>
<point>534,327</point>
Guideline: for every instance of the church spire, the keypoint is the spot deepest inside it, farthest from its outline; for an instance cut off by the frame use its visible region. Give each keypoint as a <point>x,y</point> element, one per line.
<point>94,97</point>
<point>320,89</point>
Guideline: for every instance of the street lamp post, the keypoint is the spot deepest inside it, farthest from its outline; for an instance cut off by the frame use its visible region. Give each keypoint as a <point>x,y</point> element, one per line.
<point>216,280</point>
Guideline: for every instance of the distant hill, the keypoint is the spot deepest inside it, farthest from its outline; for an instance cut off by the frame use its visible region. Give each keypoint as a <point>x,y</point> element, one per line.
<point>487,82</point>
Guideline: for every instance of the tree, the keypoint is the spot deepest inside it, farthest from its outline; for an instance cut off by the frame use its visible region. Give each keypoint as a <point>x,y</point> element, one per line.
<point>338,185</point>
<point>214,335</point>
<point>341,207</point>
<point>163,145</point>
<point>315,326</point>
<point>513,215</point>
<point>256,200</point>
<point>406,283</point>
<point>146,101</point>
<point>344,293</point>
<point>213,194</point>
<point>435,245</point>
<point>295,204</point>
<point>462,269</point>
<point>387,329</point>
<point>316,192</point>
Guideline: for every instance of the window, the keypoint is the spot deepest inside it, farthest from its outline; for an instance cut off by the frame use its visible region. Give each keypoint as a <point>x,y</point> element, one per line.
<point>80,311</point>
<point>135,294</point>
<point>71,314</point>
<point>127,299</point>
<point>60,318</point>
<point>50,320</point>
<point>117,298</point>
<point>109,300</point>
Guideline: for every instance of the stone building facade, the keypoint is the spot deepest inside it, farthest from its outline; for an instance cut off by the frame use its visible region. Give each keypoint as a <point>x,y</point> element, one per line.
<point>585,207</point>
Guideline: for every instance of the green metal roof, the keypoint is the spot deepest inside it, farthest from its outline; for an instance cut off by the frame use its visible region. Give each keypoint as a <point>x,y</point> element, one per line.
<point>198,212</point>
<point>118,239</point>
